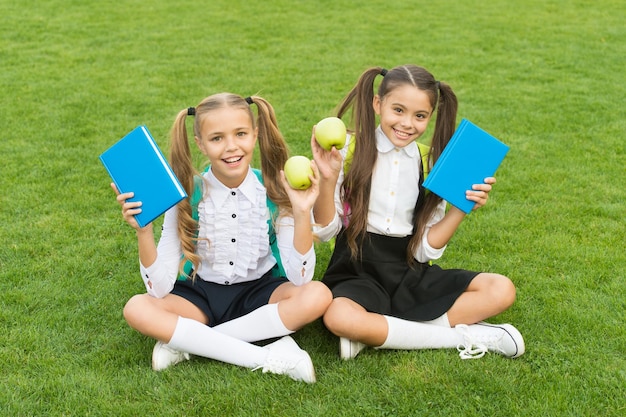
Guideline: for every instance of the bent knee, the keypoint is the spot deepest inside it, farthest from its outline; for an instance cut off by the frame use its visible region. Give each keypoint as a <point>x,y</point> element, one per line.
<point>321,292</point>
<point>504,290</point>
<point>338,315</point>
<point>317,297</point>
<point>134,309</point>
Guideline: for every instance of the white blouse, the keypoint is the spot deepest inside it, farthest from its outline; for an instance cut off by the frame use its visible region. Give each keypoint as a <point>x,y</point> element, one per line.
<point>234,220</point>
<point>394,192</point>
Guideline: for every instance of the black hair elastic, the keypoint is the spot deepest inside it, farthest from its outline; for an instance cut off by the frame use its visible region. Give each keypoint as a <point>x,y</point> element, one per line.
<point>438,85</point>
<point>383,72</point>
<point>249,100</point>
<point>191,111</point>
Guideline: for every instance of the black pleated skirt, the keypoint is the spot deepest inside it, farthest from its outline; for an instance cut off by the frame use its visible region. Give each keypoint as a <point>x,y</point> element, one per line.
<point>383,282</point>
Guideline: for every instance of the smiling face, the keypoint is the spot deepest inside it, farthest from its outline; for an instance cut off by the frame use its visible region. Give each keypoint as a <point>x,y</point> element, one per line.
<point>404,114</point>
<point>227,138</point>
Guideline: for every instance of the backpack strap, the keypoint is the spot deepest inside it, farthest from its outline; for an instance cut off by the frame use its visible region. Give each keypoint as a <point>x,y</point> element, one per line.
<point>278,270</point>
<point>347,161</point>
<point>424,150</point>
<point>196,196</point>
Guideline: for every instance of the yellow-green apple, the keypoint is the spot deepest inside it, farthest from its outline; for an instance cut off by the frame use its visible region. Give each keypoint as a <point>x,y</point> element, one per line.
<point>297,171</point>
<point>330,132</point>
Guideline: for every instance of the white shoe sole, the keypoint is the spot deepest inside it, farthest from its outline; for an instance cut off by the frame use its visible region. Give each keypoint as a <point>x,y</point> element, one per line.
<point>348,349</point>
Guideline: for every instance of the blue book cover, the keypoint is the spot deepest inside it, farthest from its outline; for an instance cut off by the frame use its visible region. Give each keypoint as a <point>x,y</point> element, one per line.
<point>136,164</point>
<point>471,156</point>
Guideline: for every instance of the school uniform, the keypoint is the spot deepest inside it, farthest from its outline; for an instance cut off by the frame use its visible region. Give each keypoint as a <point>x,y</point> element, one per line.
<point>234,276</point>
<point>382,281</point>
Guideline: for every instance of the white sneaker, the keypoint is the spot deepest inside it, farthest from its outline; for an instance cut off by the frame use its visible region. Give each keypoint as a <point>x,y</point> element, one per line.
<point>498,338</point>
<point>348,349</point>
<point>164,356</point>
<point>286,358</point>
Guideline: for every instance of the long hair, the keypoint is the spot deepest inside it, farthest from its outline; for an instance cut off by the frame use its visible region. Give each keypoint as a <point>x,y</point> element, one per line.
<point>356,187</point>
<point>273,151</point>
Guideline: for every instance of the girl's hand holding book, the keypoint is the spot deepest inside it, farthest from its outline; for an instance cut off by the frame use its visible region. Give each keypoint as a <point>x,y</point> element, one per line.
<point>129,208</point>
<point>480,192</point>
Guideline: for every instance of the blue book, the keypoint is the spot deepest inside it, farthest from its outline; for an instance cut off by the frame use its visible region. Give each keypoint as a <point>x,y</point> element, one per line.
<point>136,164</point>
<point>471,156</point>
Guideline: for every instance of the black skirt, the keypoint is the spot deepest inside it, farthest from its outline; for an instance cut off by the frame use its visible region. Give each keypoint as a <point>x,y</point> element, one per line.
<point>383,282</point>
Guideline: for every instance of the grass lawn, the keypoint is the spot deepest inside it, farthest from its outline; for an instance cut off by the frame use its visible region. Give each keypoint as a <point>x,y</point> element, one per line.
<point>546,77</point>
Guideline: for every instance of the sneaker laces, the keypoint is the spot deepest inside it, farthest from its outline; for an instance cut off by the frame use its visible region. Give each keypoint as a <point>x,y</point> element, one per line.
<point>471,349</point>
<point>276,366</point>
<point>178,353</point>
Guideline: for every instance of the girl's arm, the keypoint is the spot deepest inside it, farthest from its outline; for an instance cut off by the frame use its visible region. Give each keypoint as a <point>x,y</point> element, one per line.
<point>302,202</point>
<point>299,267</point>
<point>328,207</point>
<point>297,253</point>
<point>145,243</point>
<point>145,235</point>
<point>158,266</point>
<point>329,164</point>
<point>440,233</point>
<point>160,275</point>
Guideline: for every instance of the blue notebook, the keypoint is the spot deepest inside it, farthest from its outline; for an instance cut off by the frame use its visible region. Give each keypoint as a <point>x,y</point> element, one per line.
<point>471,156</point>
<point>136,164</point>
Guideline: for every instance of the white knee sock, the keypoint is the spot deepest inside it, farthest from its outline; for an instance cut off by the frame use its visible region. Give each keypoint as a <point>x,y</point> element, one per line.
<point>263,323</point>
<point>405,334</point>
<point>194,337</point>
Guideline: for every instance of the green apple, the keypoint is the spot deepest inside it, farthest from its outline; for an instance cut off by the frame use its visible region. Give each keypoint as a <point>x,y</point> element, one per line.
<point>297,171</point>
<point>330,132</point>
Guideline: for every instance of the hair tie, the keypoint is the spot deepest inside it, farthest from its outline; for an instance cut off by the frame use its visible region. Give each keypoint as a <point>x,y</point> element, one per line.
<point>249,100</point>
<point>438,85</point>
<point>383,72</point>
<point>191,111</point>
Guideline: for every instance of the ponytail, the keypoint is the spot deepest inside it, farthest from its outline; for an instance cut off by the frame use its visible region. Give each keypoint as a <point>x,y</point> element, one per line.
<point>446,119</point>
<point>446,107</point>
<point>358,181</point>
<point>273,149</point>
<point>182,165</point>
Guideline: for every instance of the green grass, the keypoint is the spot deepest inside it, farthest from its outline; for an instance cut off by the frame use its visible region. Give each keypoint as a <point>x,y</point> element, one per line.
<point>547,77</point>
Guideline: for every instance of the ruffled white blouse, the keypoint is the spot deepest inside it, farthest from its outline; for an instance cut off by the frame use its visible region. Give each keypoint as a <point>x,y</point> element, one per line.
<point>234,244</point>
